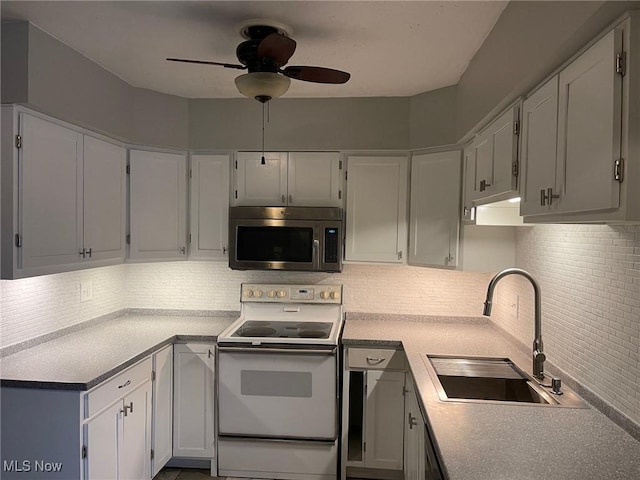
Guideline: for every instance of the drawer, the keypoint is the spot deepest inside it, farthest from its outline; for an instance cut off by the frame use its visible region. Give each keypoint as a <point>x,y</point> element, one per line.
<point>117,387</point>
<point>376,358</point>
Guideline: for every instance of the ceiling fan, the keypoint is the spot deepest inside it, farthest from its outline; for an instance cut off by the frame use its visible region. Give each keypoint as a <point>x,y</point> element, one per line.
<point>267,48</point>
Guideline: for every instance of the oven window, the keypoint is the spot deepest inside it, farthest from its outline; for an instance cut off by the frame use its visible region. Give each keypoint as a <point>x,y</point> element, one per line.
<point>275,244</point>
<point>275,384</point>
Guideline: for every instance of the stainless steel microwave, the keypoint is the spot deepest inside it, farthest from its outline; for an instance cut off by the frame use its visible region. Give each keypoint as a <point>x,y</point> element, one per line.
<point>286,238</point>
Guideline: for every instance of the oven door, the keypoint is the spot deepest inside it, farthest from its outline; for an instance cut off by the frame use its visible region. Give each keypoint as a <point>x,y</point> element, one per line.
<point>277,393</point>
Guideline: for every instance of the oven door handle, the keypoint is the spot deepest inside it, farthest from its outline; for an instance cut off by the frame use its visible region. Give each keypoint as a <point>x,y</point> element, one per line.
<point>289,351</point>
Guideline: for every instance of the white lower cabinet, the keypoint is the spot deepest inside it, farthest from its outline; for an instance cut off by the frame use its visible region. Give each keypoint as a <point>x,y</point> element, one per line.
<point>193,401</point>
<point>414,457</point>
<point>162,427</point>
<point>373,413</point>
<point>117,432</point>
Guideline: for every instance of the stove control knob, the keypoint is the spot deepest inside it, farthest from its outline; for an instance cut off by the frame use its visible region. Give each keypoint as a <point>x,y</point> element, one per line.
<point>257,293</point>
<point>324,295</point>
<point>247,293</point>
<point>334,295</point>
<point>271,294</point>
<point>282,293</point>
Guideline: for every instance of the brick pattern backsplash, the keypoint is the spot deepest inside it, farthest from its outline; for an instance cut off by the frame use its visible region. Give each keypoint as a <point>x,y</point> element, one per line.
<point>367,288</point>
<point>590,282</point>
<point>36,306</point>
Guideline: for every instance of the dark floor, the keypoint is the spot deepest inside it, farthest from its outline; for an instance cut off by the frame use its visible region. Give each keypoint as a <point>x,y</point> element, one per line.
<point>184,474</point>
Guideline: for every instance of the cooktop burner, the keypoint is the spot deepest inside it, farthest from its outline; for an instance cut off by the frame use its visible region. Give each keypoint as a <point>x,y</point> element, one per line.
<point>280,329</point>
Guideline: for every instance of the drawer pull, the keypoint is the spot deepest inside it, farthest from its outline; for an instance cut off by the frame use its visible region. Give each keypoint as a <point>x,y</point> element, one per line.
<point>125,384</point>
<point>375,360</point>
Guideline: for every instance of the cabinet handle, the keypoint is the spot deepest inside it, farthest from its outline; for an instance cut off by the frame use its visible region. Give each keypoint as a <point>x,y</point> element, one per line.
<point>224,250</point>
<point>129,407</point>
<point>125,384</point>
<point>283,198</point>
<point>183,250</point>
<point>89,252</point>
<point>83,252</point>
<point>484,185</point>
<point>375,360</point>
<point>290,198</point>
<point>413,421</point>
<point>547,197</point>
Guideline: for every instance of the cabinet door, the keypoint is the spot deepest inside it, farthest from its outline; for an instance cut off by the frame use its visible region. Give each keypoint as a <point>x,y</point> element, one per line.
<point>469,193</point>
<point>103,436</point>
<point>260,184</point>
<point>104,199</point>
<point>50,194</point>
<point>193,390</point>
<point>158,185</point>
<point>414,430</point>
<point>135,451</point>
<point>162,426</point>
<point>384,420</point>
<point>209,207</point>
<point>376,223</point>
<point>314,179</point>
<point>434,217</point>
<point>539,136</point>
<point>589,128</point>
<point>497,156</point>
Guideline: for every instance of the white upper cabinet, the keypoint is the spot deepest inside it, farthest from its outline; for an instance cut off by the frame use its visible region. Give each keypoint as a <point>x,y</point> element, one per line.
<point>50,194</point>
<point>434,220</point>
<point>104,200</point>
<point>158,206</point>
<point>590,101</point>
<point>314,179</point>
<point>302,179</point>
<point>469,192</point>
<point>376,214</point>
<point>573,140</point>
<point>539,139</point>
<point>261,184</point>
<point>496,158</point>
<point>65,208</point>
<point>209,207</point>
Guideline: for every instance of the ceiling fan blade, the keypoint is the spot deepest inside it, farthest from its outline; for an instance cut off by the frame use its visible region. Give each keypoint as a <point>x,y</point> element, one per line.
<point>277,47</point>
<point>317,74</point>
<point>202,62</point>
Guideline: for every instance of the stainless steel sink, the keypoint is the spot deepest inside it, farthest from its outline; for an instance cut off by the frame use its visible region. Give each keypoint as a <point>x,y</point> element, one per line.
<point>479,379</point>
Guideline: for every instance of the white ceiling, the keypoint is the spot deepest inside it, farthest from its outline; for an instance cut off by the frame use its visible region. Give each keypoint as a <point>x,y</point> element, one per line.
<point>391,48</point>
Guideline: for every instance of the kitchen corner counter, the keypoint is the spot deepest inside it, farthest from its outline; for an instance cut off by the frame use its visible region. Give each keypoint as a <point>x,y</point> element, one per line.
<point>493,441</point>
<point>88,356</point>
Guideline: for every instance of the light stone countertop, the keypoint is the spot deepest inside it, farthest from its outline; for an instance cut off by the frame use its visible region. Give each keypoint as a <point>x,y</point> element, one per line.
<point>87,356</point>
<point>499,441</point>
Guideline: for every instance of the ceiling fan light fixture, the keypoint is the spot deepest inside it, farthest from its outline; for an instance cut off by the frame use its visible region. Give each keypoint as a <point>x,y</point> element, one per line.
<point>263,86</point>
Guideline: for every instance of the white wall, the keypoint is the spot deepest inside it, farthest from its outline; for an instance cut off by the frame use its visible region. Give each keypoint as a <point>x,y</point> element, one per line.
<point>590,281</point>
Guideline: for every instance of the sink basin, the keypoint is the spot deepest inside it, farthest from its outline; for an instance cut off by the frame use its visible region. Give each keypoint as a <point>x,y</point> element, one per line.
<point>486,379</point>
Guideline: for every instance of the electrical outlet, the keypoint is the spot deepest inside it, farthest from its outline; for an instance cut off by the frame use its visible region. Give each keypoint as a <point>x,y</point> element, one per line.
<point>86,291</point>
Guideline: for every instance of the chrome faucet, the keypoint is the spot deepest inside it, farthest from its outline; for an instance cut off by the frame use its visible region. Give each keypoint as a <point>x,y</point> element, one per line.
<point>538,355</point>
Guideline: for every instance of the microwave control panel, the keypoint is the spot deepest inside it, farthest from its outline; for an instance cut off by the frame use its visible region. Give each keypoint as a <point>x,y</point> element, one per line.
<point>331,245</point>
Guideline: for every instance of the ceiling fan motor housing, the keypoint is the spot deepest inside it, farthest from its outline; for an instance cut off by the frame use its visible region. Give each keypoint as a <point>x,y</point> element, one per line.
<point>247,51</point>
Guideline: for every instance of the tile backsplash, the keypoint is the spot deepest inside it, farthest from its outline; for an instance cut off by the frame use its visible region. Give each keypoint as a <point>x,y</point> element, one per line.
<point>36,306</point>
<point>590,282</point>
<point>589,274</point>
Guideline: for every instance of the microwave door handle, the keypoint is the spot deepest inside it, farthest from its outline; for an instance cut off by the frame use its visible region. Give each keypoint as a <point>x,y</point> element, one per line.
<point>316,254</point>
